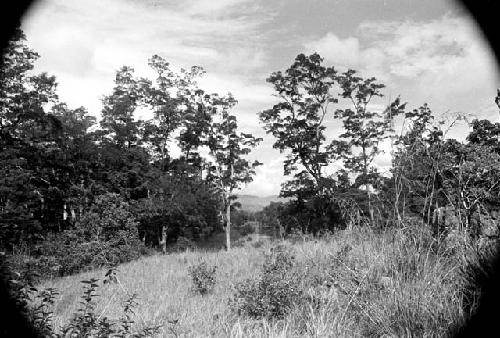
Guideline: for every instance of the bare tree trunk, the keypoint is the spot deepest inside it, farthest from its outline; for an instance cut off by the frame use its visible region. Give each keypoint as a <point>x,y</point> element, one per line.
<point>163,239</point>
<point>228,216</point>
<point>365,173</point>
<point>397,192</point>
<point>64,213</point>
<point>228,225</point>
<point>370,208</point>
<point>281,231</point>
<point>404,207</point>
<point>430,205</point>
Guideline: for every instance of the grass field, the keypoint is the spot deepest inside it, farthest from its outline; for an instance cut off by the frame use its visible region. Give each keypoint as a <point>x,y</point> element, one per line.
<point>388,284</point>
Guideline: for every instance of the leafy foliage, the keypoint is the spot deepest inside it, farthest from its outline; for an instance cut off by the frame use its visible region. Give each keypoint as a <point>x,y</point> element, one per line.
<point>56,161</point>
<point>106,235</point>
<point>274,293</point>
<point>37,305</point>
<point>297,121</point>
<point>203,277</point>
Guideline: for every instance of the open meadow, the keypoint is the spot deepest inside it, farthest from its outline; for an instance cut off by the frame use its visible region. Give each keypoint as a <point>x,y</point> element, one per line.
<point>353,283</point>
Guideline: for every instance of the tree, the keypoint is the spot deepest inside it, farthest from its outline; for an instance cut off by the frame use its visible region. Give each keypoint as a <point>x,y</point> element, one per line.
<point>121,138</point>
<point>227,148</point>
<point>76,163</point>
<point>270,217</point>
<point>297,121</point>
<point>470,180</point>
<point>485,133</point>
<point>158,98</point>
<point>179,204</point>
<point>418,165</point>
<point>118,122</point>
<point>172,100</point>
<point>27,135</point>
<point>364,128</point>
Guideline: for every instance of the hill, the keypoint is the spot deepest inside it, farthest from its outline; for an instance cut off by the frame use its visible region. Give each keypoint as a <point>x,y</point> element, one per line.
<point>254,203</point>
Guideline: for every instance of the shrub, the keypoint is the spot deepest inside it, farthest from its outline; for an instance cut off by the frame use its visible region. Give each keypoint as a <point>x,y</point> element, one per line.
<point>203,277</point>
<point>274,293</point>
<point>106,235</point>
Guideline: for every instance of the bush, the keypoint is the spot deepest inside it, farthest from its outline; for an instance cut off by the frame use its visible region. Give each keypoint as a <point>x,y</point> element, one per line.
<point>203,277</point>
<point>274,293</point>
<point>106,235</point>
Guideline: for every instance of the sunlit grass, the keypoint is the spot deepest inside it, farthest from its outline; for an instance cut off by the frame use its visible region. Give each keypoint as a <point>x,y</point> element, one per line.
<point>422,299</point>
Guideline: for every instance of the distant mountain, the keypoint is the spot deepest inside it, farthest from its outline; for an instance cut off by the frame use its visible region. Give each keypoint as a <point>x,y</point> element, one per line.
<point>254,203</point>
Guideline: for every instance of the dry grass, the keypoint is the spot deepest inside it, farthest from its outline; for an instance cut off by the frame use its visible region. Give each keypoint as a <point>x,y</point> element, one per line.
<point>389,284</point>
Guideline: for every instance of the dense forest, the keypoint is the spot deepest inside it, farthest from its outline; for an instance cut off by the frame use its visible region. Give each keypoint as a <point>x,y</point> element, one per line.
<point>76,192</point>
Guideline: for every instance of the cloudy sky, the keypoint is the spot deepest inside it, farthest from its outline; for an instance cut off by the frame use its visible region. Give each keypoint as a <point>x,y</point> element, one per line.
<point>423,50</point>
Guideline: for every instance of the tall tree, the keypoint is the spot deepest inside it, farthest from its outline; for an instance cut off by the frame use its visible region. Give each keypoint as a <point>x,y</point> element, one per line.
<point>171,98</point>
<point>166,117</point>
<point>76,163</point>
<point>27,136</point>
<point>228,147</point>
<point>297,121</point>
<point>364,128</point>
<point>118,122</point>
<point>418,163</point>
<point>471,178</point>
<point>122,137</point>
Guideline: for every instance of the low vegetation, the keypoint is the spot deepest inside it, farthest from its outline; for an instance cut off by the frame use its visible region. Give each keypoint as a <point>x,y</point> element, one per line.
<point>37,305</point>
<point>203,277</point>
<point>274,292</point>
<point>400,282</point>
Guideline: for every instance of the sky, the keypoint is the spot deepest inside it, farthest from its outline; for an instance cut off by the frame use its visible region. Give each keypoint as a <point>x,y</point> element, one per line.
<point>425,51</point>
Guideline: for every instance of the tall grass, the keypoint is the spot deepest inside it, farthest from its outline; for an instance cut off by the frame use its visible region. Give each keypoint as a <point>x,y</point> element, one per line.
<point>353,283</point>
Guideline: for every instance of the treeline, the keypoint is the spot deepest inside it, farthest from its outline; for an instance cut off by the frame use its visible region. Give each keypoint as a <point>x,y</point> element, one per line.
<point>75,193</point>
<point>450,186</point>
<point>67,181</point>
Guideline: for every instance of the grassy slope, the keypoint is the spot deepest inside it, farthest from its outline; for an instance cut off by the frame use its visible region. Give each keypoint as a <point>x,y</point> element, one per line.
<point>421,298</point>
<point>163,288</point>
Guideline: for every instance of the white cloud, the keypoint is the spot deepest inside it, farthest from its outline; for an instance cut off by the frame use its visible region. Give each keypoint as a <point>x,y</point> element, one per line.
<point>213,7</point>
<point>409,49</point>
<point>269,175</point>
<point>444,62</point>
<point>83,43</point>
<point>415,48</point>
<point>348,53</point>
<point>345,52</point>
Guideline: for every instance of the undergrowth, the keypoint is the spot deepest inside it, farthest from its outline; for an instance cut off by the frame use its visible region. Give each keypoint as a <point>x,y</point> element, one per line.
<point>37,306</point>
<point>272,294</point>
<point>203,277</point>
<point>399,283</point>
